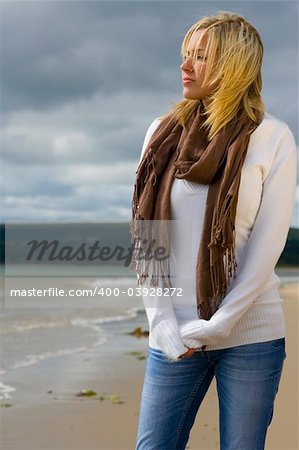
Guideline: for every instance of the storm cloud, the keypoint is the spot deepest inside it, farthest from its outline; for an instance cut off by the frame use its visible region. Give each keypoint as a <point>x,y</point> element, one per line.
<point>81,82</point>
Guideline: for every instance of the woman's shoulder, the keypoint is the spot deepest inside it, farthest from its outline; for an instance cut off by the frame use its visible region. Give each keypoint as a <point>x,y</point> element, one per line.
<point>154,124</point>
<point>149,132</point>
<point>270,133</point>
<point>151,128</point>
<point>272,125</point>
<point>271,141</point>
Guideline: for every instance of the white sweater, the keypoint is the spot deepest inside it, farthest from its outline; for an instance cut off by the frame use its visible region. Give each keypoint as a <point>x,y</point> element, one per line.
<point>252,309</point>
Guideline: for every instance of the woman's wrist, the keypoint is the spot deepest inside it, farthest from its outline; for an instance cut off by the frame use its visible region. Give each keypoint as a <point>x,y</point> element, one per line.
<point>166,335</point>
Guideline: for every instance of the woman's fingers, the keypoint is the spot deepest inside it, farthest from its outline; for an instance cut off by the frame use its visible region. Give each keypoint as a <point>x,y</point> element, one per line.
<point>188,353</point>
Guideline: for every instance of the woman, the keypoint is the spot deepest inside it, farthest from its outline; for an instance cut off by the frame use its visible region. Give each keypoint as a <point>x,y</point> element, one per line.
<point>215,189</point>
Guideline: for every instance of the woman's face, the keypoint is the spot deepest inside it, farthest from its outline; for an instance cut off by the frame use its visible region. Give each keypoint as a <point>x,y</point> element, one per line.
<point>195,71</point>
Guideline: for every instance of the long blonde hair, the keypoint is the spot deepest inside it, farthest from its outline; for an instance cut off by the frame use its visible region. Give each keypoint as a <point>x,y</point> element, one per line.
<point>234,55</point>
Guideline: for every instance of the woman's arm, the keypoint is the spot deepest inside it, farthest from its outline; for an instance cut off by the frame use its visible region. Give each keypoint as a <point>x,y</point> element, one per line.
<point>162,321</point>
<point>263,248</point>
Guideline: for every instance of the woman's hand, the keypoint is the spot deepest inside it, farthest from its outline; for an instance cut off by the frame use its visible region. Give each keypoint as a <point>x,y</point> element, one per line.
<point>188,353</point>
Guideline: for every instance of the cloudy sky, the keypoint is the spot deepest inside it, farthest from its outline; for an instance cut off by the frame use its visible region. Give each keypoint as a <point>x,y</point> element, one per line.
<point>82,80</point>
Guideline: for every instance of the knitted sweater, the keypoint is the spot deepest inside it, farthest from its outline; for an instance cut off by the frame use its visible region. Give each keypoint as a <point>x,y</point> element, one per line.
<point>252,310</point>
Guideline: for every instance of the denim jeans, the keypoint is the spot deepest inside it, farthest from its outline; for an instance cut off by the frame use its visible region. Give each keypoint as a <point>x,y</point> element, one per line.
<point>247,379</point>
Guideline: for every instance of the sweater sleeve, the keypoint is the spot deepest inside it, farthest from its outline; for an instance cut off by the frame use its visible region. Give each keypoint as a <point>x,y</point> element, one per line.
<point>148,135</point>
<point>163,325</point>
<point>263,247</point>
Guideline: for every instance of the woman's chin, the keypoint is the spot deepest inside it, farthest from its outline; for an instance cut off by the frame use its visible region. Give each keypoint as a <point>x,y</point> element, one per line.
<point>190,96</point>
<point>190,93</point>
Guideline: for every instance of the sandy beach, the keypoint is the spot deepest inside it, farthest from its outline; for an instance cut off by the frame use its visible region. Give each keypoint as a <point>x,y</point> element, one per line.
<point>46,412</point>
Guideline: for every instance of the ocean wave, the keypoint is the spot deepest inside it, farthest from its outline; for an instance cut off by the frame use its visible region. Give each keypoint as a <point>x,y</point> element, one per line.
<point>5,391</point>
<point>29,360</point>
<point>91,323</point>
<point>16,325</point>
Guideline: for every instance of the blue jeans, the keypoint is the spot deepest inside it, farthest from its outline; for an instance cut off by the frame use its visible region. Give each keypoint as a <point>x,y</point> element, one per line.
<point>247,379</point>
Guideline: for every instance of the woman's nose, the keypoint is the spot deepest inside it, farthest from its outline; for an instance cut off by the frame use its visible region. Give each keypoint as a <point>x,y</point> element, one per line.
<point>187,64</point>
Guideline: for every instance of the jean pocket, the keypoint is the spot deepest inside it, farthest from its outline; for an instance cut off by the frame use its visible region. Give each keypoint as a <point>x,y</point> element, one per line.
<point>154,350</point>
<point>279,345</point>
<point>276,343</point>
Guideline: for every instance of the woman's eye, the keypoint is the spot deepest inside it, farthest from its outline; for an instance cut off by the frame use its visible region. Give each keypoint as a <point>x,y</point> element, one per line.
<point>201,57</point>
<point>198,57</point>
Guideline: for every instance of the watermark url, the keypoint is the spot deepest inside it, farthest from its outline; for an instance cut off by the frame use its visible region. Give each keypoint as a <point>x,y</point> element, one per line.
<point>97,291</point>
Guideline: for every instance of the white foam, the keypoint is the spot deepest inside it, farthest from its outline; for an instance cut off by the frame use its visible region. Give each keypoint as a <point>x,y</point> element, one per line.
<point>288,279</point>
<point>29,360</point>
<point>92,323</point>
<point>21,326</point>
<point>5,391</point>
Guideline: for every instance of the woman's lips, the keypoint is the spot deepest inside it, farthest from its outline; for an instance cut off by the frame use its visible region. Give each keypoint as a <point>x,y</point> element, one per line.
<point>187,80</point>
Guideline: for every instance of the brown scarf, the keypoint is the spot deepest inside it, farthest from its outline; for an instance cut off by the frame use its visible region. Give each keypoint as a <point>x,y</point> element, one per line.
<point>185,152</point>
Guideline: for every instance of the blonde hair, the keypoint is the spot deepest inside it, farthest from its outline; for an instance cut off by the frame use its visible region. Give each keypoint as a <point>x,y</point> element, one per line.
<point>234,55</point>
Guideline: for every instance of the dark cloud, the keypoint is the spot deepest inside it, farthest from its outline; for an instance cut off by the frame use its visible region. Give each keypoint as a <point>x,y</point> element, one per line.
<point>82,81</point>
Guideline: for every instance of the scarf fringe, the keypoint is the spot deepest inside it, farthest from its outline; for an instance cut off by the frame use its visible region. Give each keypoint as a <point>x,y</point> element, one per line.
<point>160,271</point>
<point>223,265</point>
<point>141,235</point>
